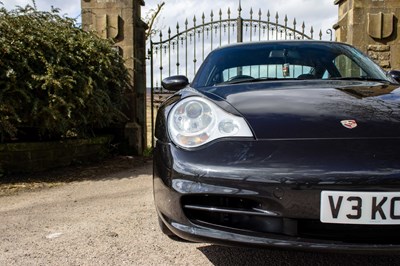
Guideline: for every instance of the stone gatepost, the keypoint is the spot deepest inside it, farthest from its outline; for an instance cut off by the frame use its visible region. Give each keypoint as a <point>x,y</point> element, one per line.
<point>121,21</point>
<point>373,27</point>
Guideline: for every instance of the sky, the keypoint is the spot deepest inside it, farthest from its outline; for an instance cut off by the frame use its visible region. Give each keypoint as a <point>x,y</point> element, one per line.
<point>322,14</point>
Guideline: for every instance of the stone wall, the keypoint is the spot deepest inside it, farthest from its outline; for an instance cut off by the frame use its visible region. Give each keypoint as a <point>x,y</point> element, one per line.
<point>380,54</point>
<point>373,27</point>
<point>40,156</point>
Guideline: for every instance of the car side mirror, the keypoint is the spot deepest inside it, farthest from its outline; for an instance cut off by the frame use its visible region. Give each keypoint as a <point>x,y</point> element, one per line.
<point>395,74</point>
<point>175,83</point>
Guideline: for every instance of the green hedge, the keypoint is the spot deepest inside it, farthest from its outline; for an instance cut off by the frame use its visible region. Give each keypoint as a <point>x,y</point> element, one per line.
<point>56,79</point>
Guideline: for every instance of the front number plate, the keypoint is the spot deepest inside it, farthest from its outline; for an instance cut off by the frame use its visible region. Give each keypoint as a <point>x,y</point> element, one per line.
<point>346,207</point>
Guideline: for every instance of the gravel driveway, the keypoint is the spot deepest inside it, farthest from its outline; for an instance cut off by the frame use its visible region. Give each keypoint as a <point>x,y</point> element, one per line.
<point>107,217</point>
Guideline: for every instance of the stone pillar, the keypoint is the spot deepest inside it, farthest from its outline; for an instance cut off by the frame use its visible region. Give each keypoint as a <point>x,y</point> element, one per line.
<point>373,27</point>
<point>121,21</point>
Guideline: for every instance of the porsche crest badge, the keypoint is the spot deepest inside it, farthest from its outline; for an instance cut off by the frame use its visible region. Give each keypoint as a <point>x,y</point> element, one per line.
<point>350,124</point>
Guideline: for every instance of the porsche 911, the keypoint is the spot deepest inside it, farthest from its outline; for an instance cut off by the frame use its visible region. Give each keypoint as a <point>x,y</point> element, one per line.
<point>281,144</point>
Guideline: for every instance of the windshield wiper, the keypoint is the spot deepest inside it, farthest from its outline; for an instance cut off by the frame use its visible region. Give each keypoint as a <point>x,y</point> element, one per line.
<point>360,78</point>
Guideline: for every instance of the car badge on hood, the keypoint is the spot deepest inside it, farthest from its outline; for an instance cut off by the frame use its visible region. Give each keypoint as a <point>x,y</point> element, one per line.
<point>350,124</point>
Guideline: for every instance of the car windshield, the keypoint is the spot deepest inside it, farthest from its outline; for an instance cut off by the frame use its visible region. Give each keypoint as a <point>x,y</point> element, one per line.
<point>286,60</point>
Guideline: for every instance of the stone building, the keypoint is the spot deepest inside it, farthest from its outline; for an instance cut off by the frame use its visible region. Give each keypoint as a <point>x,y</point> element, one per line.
<point>121,21</point>
<point>373,27</point>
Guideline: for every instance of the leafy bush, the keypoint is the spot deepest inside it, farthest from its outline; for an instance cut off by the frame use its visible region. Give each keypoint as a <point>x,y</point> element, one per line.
<point>55,78</point>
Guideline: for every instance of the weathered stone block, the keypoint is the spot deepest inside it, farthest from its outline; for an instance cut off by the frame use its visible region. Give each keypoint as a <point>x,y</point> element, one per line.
<point>384,64</point>
<point>384,56</point>
<point>373,55</point>
<point>378,48</point>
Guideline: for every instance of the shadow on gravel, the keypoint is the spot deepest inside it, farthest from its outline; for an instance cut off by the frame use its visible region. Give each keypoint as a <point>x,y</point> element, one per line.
<point>220,255</point>
<point>117,167</point>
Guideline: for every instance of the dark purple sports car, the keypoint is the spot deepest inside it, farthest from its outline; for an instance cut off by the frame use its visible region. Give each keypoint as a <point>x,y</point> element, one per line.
<point>287,144</point>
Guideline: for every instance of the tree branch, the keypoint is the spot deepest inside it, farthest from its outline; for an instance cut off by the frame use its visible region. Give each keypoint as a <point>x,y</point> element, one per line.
<point>150,24</point>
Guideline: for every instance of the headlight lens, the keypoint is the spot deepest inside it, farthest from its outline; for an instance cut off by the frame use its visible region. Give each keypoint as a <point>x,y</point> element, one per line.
<point>195,121</point>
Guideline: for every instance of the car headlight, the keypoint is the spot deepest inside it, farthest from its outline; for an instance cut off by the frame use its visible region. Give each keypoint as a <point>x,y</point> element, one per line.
<point>195,121</point>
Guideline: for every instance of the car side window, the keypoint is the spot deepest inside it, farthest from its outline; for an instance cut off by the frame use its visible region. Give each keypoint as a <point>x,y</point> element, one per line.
<point>347,67</point>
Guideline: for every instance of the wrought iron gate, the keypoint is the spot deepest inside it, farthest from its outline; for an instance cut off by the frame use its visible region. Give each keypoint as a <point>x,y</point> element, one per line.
<point>173,56</point>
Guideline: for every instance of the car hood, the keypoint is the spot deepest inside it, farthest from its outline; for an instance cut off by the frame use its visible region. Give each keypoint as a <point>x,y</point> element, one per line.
<point>315,109</point>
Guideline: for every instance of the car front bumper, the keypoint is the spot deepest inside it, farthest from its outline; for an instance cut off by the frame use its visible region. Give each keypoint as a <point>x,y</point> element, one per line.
<point>267,193</point>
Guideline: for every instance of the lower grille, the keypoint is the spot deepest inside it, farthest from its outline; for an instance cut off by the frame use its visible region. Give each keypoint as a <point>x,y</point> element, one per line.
<point>235,213</point>
<point>250,217</point>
